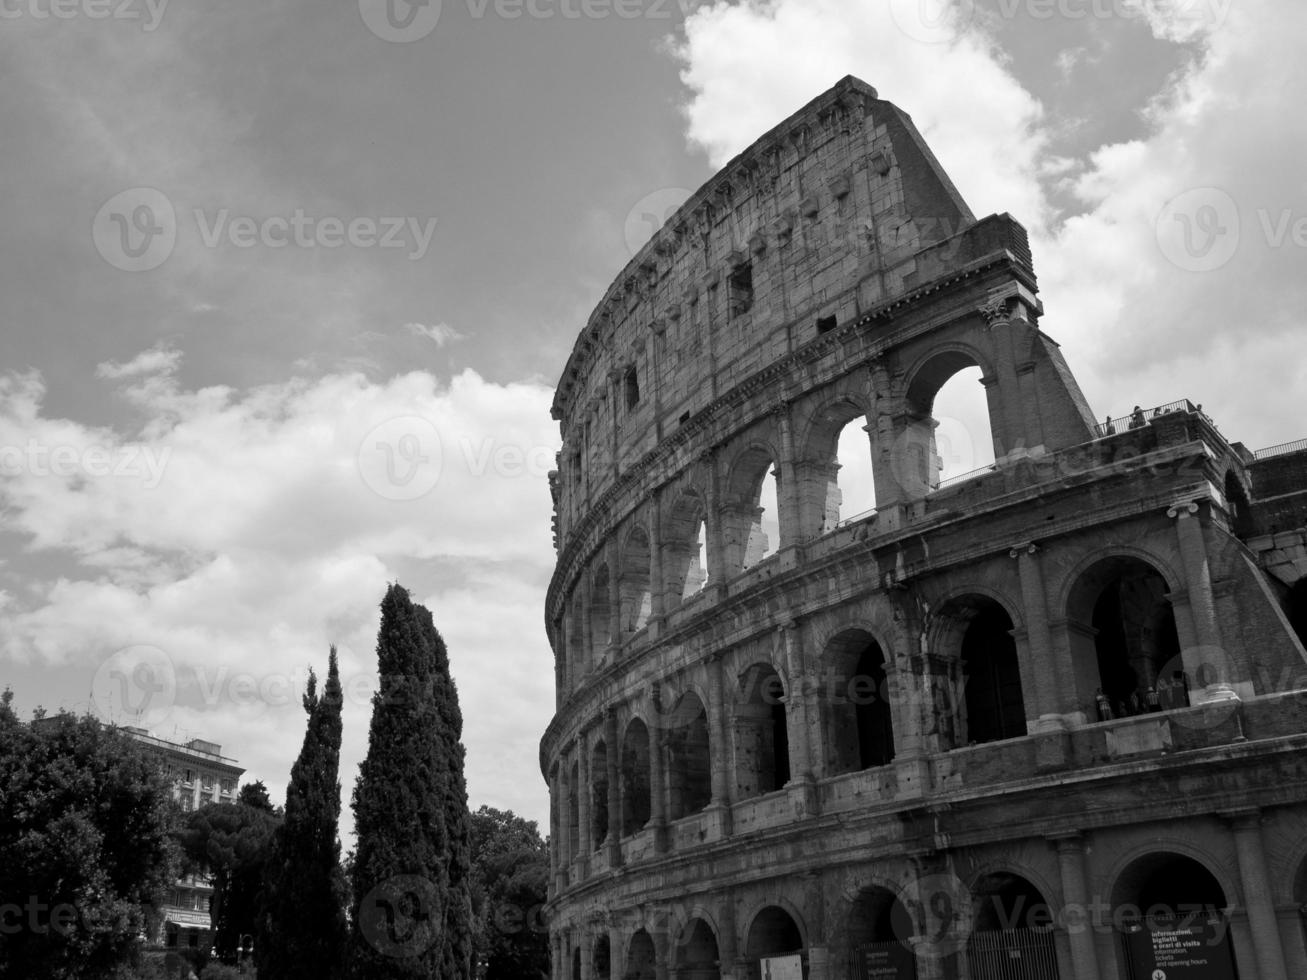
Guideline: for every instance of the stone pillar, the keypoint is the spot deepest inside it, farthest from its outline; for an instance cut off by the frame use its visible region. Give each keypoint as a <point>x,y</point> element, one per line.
<point>565,855</point>
<point>1076,906</point>
<point>1260,905</point>
<point>796,705</point>
<point>1039,669</point>
<point>1205,662</point>
<point>1008,424</point>
<point>586,662</point>
<point>614,790</point>
<point>818,946</point>
<point>614,558</point>
<point>787,481</point>
<point>719,806</point>
<point>657,587</point>
<point>616,953</point>
<point>558,829</point>
<point>715,559</point>
<point>728,947</point>
<point>662,952</point>
<point>587,940</point>
<point>583,802</point>
<point>658,774</point>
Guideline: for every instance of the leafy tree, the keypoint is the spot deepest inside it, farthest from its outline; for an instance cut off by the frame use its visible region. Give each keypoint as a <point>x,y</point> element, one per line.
<point>231,841</point>
<point>411,903</point>
<point>86,823</point>
<point>510,881</point>
<point>303,920</point>
<point>255,794</point>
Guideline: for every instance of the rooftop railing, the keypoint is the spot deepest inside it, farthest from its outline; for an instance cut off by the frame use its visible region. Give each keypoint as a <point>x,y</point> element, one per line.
<point>1141,417</point>
<point>969,475</point>
<point>1281,450</point>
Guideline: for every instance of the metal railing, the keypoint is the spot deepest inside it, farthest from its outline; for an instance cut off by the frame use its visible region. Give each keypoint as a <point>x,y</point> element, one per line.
<point>969,475</point>
<point>846,521</point>
<point>1140,418</point>
<point>1281,450</point>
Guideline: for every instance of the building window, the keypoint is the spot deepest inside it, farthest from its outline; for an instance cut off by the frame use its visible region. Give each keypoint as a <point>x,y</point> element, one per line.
<point>631,385</point>
<point>740,286</point>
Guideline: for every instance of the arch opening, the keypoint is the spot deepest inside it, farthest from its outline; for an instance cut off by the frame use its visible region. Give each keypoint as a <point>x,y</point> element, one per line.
<point>851,492</point>
<point>762,743</point>
<point>991,675</point>
<point>1123,623</point>
<point>1239,507</point>
<point>574,812</point>
<point>1176,896</point>
<point>1011,931</point>
<point>962,440</point>
<point>750,522</point>
<point>686,548</point>
<point>773,932</point>
<point>688,759</point>
<point>1295,607</point>
<point>879,928</point>
<point>696,953</point>
<point>641,958</point>
<point>602,962</point>
<point>860,723</point>
<point>634,588</point>
<point>635,778</point>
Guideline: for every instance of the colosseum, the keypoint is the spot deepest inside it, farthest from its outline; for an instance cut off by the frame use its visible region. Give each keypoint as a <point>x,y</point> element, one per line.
<point>1043,719</point>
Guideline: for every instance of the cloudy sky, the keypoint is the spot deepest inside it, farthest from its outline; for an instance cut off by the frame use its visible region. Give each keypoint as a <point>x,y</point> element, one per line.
<point>284,289</point>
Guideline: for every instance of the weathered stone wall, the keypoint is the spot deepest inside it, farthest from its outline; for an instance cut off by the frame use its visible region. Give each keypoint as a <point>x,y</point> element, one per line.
<point>1066,678</point>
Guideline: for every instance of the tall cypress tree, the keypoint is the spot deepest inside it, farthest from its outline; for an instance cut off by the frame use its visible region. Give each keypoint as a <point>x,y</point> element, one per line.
<point>411,891</point>
<point>303,919</point>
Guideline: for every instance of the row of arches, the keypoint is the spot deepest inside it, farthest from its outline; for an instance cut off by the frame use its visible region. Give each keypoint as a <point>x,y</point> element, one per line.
<point>834,482</point>
<point>999,926</point>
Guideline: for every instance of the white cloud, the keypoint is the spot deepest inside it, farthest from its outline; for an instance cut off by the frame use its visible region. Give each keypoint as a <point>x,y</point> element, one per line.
<point>269,536</point>
<point>156,360</point>
<point>1136,328</point>
<point>439,333</point>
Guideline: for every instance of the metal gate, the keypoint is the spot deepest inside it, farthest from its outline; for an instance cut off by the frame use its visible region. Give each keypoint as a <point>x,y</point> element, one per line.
<point>1012,954</point>
<point>882,961</point>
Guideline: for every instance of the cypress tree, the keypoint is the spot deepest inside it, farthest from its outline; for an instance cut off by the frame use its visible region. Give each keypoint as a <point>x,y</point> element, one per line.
<point>303,917</point>
<point>411,899</point>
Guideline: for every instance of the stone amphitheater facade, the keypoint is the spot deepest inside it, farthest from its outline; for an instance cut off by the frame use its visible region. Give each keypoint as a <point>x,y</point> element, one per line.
<point>1044,721</point>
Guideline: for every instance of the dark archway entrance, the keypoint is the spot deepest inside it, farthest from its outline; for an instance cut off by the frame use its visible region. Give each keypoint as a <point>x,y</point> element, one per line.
<point>773,934</point>
<point>1166,907</point>
<point>1012,931</point>
<point>879,931</point>
<point>696,953</point>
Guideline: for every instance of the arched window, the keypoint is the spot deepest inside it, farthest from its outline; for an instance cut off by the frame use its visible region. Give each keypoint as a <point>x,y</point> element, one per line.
<point>641,958</point>
<point>635,771</point>
<point>773,932</point>
<point>574,812</point>
<point>1009,935</point>
<point>1124,624</point>
<point>601,614</point>
<point>696,953</point>
<point>995,709</point>
<point>880,931</point>
<point>860,725</point>
<point>688,762</point>
<point>836,463</point>
<point>603,959</point>
<point>750,522</point>
<point>944,413</point>
<point>762,743</point>
<point>633,585</point>
<point>686,548</point>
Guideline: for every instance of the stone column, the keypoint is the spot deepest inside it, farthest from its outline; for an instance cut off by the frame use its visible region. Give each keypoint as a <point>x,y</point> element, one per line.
<point>1260,905</point>
<point>558,829</point>
<point>719,806</point>
<point>583,801</point>
<point>586,661</point>
<point>728,951</point>
<point>1075,904</point>
<point>662,951</point>
<point>1040,672</point>
<point>565,855</point>
<point>1206,662</point>
<point>587,940</point>
<point>614,790</point>
<point>818,948</point>
<point>658,773</point>
<point>614,599</point>
<point>657,587</point>
<point>787,480</point>
<point>715,559</point>
<point>796,705</point>
<point>616,953</point>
